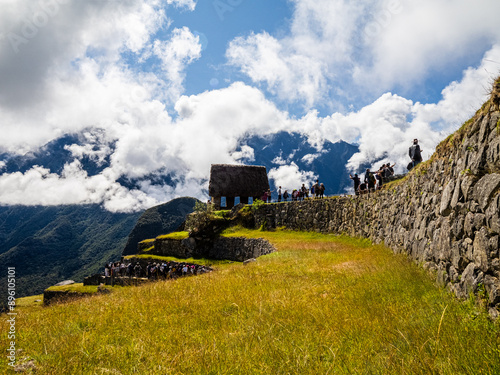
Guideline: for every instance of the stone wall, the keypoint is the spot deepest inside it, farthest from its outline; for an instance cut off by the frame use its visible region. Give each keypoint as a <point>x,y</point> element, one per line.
<point>444,214</point>
<point>231,248</point>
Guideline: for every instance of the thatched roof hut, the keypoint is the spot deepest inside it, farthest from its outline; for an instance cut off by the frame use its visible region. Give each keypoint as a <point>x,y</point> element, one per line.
<point>242,181</point>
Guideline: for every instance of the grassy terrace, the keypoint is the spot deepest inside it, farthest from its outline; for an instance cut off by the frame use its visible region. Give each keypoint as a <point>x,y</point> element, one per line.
<point>321,304</point>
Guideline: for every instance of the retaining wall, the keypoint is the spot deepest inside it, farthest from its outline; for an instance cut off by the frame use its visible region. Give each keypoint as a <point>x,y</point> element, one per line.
<point>444,215</point>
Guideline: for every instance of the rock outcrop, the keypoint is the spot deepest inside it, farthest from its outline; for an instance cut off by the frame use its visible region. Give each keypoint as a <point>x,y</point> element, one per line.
<point>444,214</point>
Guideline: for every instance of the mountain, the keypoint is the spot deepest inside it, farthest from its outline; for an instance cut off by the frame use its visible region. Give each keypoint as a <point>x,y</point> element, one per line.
<point>271,151</point>
<point>50,244</point>
<point>286,148</point>
<point>158,220</point>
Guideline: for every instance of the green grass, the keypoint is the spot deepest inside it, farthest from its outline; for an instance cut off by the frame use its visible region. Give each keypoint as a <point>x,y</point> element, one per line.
<point>30,301</point>
<point>174,236</point>
<point>322,304</point>
<point>76,288</point>
<point>200,261</point>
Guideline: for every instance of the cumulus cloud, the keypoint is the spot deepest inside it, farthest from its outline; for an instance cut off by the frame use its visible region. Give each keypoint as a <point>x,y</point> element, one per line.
<point>338,50</point>
<point>71,75</point>
<point>288,75</point>
<point>189,4</point>
<point>290,177</point>
<point>175,54</point>
<point>40,187</point>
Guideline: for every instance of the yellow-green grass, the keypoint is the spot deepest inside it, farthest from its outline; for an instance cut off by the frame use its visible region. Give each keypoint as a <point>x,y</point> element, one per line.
<point>76,288</point>
<point>200,261</point>
<point>30,301</point>
<point>320,305</point>
<point>174,236</point>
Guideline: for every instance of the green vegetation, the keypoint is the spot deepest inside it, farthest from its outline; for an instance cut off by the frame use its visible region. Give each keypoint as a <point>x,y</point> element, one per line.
<point>51,244</point>
<point>257,204</point>
<point>222,214</point>
<point>76,288</point>
<point>174,236</point>
<point>30,301</point>
<point>200,261</point>
<point>321,304</point>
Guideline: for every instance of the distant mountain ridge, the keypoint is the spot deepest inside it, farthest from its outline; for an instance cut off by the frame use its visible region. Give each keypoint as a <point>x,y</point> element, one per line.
<point>271,151</point>
<point>51,244</point>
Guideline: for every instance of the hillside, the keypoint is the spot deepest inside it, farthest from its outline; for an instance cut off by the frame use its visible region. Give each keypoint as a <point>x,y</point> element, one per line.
<point>161,219</point>
<point>321,304</point>
<point>51,244</point>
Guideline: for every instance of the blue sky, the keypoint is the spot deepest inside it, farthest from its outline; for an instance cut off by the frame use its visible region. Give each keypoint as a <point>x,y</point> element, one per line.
<point>172,86</point>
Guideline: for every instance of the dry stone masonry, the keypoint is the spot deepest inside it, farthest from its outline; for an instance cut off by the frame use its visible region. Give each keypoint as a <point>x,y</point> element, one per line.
<point>237,249</point>
<point>444,215</point>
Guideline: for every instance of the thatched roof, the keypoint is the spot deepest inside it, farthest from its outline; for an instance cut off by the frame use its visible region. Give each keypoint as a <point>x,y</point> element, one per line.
<point>237,180</point>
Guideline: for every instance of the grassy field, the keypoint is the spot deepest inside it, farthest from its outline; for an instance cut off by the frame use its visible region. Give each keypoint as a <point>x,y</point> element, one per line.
<point>320,305</point>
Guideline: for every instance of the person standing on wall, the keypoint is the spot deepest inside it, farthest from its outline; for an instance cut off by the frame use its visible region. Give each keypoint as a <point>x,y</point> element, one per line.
<point>415,154</point>
<point>357,181</point>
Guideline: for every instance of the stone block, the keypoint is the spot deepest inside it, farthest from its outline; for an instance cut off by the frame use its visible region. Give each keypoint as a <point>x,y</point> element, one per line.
<point>493,216</point>
<point>481,250</point>
<point>445,207</point>
<point>485,188</point>
<point>492,286</point>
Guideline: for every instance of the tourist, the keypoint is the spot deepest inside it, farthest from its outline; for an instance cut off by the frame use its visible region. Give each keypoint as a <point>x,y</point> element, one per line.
<point>363,188</point>
<point>107,270</point>
<point>305,191</point>
<point>137,270</point>
<point>378,176</point>
<point>370,180</point>
<point>415,154</point>
<point>321,190</point>
<point>279,194</point>
<point>316,188</point>
<point>356,181</point>
<point>264,197</point>
<point>285,195</point>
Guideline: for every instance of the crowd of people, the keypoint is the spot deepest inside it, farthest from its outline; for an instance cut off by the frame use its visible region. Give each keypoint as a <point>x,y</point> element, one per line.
<point>317,190</point>
<point>153,270</point>
<point>372,180</point>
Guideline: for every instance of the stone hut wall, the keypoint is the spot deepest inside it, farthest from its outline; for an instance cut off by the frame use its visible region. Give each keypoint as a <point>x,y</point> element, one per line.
<point>444,215</point>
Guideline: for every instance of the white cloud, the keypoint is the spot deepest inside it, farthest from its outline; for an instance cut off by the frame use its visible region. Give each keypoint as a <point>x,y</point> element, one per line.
<point>40,187</point>
<point>290,177</point>
<point>288,75</point>
<point>405,49</point>
<point>338,50</point>
<point>309,158</point>
<point>189,4</point>
<point>71,77</point>
<point>175,54</point>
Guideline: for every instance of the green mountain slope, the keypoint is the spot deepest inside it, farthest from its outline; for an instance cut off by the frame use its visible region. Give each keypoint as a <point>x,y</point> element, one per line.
<point>50,244</point>
<point>158,220</point>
